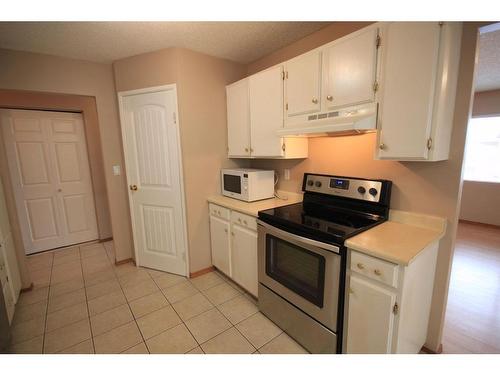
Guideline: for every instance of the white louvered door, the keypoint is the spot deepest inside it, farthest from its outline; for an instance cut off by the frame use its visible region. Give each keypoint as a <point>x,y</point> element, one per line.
<point>49,168</point>
<point>153,164</point>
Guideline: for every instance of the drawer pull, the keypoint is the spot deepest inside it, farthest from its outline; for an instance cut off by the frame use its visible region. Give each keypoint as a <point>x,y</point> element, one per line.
<point>232,233</point>
<point>360,266</point>
<point>377,272</point>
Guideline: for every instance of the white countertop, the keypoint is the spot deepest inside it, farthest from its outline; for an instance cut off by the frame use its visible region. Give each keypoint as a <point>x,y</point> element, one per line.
<point>400,239</point>
<point>252,208</point>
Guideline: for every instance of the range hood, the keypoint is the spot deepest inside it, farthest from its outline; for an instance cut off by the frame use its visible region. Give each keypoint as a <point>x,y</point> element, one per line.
<point>361,119</point>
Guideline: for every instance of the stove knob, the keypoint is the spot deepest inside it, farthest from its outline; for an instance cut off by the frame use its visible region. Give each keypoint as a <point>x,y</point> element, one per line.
<point>373,191</point>
<point>361,190</point>
<point>318,183</point>
<point>310,182</point>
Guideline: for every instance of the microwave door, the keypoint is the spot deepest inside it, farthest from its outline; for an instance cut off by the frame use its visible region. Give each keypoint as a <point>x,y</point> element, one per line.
<point>232,183</point>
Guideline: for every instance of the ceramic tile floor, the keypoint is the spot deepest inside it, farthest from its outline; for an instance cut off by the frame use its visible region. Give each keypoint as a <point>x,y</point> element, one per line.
<point>83,303</point>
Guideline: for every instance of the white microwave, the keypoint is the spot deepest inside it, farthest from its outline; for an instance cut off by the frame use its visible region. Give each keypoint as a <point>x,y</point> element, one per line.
<point>247,184</point>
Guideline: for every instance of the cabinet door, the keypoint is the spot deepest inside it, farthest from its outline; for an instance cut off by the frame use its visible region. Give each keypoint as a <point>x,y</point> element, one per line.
<point>244,258</point>
<point>408,83</point>
<point>266,112</point>
<point>219,240</point>
<point>370,317</point>
<point>350,70</point>
<point>238,121</point>
<point>302,84</point>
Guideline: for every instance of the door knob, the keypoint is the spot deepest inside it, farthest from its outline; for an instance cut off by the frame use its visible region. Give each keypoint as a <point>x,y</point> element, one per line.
<point>59,190</point>
<point>133,187</point>
<point>329,98</point>
<point>314,100</point>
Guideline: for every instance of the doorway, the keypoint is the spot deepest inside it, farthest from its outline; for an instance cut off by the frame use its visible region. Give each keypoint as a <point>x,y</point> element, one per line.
<point>472,324</point>
<point>50,173</point>
<point>151,144</point>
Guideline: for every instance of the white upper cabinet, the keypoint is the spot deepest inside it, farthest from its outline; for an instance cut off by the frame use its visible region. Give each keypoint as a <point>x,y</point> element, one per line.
<point>254,114</point>
<point>349,70</point>
<point>266,112</point>
<point>303,84</point>
<point>418,84</point>
<point>238,119</point>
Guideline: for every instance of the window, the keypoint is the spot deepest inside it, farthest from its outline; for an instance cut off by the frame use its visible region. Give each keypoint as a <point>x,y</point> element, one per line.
<point>482,151</point>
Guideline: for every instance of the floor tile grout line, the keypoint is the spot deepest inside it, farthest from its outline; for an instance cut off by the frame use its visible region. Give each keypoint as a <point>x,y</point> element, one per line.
<point>267,342</point>
<point>47,306</point>
<point>87,304</point>
<point>133,316</point>
<point>234,325</point>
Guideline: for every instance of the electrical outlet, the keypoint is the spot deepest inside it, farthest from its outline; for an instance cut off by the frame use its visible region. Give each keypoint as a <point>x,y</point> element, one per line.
<point>286,174</point>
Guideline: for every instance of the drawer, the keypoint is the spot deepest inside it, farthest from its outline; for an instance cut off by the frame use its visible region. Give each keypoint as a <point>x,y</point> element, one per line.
<point>219,211</point>
<point>375,268</point>
<point>243,220</point>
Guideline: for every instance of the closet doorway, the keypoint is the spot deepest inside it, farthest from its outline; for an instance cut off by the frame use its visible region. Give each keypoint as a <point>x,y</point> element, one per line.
<point>50,174</point>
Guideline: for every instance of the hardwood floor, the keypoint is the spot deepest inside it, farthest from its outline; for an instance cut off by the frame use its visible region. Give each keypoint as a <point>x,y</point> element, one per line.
<point>473,315</point>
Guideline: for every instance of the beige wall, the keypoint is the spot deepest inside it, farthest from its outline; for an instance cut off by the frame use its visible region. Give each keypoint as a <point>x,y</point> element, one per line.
<point>201,81</point>
<point>481,199</point>
<point>431,188</point>
<point>37,72</point>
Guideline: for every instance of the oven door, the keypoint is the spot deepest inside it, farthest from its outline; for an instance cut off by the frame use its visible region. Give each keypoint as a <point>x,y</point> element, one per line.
<point>304,272</point>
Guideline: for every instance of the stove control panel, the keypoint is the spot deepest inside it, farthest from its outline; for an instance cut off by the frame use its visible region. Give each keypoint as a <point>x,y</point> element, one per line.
<point>367,190</point>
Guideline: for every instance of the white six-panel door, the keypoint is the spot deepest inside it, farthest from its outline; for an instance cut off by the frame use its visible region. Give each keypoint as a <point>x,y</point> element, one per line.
<point>48,163</point>
<point>153,164</point>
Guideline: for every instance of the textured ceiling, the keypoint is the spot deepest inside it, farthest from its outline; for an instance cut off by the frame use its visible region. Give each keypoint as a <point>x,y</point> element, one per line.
<point>488,69</point>
<point>243,42</point>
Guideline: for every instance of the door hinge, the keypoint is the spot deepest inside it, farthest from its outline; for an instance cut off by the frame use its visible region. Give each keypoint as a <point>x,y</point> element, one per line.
<point>378,41</point>
<point>283,75</point>
<point>283,147</point>
<point>175,118</point>
<point>375,86</point>
<point>395,309</point>
<point>429,143</point>
<point>286,106</point>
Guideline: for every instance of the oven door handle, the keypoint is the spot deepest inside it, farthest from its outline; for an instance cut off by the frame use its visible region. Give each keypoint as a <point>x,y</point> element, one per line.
<point>294,237</point>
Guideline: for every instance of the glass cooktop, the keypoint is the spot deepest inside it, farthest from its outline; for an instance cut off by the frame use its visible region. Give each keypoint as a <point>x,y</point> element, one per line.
<point>320,222</point>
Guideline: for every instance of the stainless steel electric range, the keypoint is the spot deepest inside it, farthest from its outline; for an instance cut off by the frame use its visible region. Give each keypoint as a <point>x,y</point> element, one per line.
<point>302,257</point>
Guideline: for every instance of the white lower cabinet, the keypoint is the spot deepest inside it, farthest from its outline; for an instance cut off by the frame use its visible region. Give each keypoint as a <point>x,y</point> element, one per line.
<point>220,242</point>
<point>234,246</point>
<point>371,317</point>
<point>388,304</point>
<point>244,258</point>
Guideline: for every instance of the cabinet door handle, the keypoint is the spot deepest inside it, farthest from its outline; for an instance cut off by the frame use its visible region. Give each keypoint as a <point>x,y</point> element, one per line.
<point>218,212</point>
<point>225,230</point>
<point>239,219</point>
<point>133,187</point>
<point>232,233</point>
<point>360,266</point>
<point>246,149</point>
<point>329,98</point>
<point>382,146</point>
<point>314,100</point>
<point>377,272</point>
<point>245,222</point>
